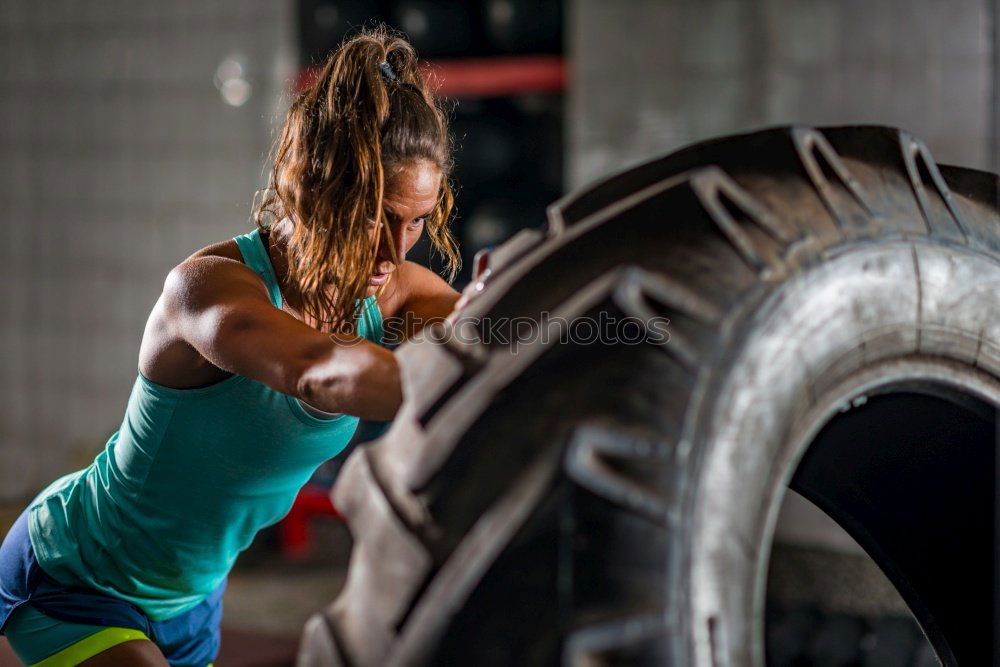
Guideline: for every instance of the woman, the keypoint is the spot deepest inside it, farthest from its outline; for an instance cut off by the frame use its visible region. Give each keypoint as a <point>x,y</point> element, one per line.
<point>252,359</point>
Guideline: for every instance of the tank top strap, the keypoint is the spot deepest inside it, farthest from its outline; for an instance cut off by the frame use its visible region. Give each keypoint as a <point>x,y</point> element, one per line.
<point>255,256</point>
<point>371,320</point>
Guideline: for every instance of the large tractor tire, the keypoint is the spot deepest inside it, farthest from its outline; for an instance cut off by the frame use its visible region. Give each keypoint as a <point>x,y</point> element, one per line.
<point>587,500</point>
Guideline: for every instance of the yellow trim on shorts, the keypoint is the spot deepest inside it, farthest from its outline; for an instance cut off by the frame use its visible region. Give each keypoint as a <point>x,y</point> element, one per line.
<point>90,646</point>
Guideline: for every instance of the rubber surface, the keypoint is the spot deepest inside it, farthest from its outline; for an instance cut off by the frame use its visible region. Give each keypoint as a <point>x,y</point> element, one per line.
<point>613,503</point>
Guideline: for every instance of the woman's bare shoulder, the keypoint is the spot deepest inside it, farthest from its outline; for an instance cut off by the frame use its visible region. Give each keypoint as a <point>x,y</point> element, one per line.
<point>227,249</point>
<point>209,270</point>
<point>421,292</point>
<point>214,277</point>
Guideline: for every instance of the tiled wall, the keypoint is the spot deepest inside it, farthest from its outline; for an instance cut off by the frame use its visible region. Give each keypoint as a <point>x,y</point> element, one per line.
<point>652,75</point>
<point>119,158</point>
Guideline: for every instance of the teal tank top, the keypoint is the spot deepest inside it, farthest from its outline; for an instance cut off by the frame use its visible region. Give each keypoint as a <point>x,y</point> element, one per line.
<point>160,516</point>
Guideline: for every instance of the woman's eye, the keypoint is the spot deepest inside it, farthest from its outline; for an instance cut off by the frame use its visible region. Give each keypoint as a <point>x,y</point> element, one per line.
<point>417,224</point>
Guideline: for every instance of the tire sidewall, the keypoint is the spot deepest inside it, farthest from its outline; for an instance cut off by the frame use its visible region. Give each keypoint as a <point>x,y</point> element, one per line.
<point>872,315</point>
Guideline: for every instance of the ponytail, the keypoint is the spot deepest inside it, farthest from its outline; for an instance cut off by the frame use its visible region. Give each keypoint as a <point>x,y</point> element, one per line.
<point>344,136</point>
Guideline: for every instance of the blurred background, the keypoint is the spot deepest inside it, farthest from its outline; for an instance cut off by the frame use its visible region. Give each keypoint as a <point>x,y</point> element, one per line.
<point>134,132</point>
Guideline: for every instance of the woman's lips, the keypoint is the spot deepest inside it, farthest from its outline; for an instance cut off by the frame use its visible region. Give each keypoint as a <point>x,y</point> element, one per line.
<point>378,278</point>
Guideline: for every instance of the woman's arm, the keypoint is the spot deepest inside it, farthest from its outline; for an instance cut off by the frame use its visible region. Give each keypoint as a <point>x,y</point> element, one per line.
<point>427,299</point>
<point>220,308</point>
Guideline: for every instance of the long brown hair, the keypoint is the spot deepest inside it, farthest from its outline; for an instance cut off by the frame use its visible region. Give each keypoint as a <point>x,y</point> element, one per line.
<point>368,113</point>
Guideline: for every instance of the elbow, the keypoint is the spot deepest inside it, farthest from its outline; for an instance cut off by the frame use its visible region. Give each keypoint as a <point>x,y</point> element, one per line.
<point>365,385</point>
<point>314,391</point>
<point>307,385</point>
<point>317,384</point>
<point>301,386</point>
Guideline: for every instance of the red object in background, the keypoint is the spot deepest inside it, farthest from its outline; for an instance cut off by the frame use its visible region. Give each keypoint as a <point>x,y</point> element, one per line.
<point>485,77</point>
<point>293,533</point>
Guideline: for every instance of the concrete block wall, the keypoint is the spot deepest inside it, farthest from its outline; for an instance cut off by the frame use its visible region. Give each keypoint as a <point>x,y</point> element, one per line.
<point>650,76</point>
<point>119,158</point>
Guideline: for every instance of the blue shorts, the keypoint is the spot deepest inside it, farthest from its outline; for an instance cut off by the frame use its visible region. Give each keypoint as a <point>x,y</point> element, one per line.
<point>191,638</point>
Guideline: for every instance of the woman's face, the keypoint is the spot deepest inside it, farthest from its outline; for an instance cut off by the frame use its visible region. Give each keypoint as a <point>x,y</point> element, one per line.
<point>410,196</point>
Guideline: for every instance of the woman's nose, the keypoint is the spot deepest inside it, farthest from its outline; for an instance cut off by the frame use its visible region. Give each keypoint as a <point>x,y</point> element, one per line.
<point>398,241</point>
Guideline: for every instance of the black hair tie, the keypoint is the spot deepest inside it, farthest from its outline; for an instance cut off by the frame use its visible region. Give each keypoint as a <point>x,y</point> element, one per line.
<point>387,72</point>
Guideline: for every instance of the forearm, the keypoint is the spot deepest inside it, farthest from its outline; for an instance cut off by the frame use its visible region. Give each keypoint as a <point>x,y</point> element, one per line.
<point>360,379</point>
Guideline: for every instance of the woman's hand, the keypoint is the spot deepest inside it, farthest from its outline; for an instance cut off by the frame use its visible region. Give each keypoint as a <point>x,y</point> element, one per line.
<point>463,299</point>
